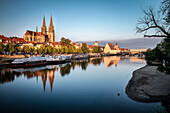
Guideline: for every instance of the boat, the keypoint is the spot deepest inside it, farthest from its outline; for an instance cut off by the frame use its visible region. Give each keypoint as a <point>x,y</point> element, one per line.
<point>40,60</point>
<point>67,58</point>
<point>31,61</point>
<point>80,56</point>
<point>58,59</point>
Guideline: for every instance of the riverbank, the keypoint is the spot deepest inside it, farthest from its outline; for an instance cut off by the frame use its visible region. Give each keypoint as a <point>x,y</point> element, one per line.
<point>148,85</point>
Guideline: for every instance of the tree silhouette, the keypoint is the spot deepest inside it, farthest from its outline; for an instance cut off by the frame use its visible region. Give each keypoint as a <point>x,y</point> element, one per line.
<point>155,20</point>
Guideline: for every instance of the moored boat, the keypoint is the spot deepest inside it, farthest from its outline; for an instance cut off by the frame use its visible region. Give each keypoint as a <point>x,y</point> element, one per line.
<point>31,61</point>
<point>80,56</point>
<point>58,59</point>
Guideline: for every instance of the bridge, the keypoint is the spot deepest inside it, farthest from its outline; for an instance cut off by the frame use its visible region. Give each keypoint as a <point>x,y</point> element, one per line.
<point>138,52</point>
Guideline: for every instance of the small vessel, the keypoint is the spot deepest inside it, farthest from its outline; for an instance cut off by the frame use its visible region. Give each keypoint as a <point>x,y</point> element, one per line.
<point>67,58</point>
<point>31,61</point>
<point>58,59</point>
<point>80,56</point>
<point>40,60</point>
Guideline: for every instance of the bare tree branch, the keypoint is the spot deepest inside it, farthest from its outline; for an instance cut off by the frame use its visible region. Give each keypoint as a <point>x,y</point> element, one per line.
<point>152,20</point>
<point>154,36</point>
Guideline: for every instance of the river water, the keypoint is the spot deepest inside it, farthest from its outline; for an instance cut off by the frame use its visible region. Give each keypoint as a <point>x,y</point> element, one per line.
<point>90,86</point>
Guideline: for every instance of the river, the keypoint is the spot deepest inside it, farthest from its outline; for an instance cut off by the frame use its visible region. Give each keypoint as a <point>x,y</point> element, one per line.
<point>85,86</point>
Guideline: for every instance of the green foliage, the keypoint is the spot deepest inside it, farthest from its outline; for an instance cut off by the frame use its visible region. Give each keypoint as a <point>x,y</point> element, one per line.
<point>66,50</point>
<point>166,46</point>
<point>62,49</point>
<point>64,42</point>
<point>40,50</point>
<point>33,50</point>
<point>70,49</point>
<point>54,50</point>
<point>11,48</point>
<point>49,49</point>
<point>74,49</point>
<point>155,55</point>
<point>79,50</point>
<point>96,49</point>
<point>84,48</point>
<point>2,47</point>
<point>159,54</point>
<point>45,49</point>
<point>27,49</point>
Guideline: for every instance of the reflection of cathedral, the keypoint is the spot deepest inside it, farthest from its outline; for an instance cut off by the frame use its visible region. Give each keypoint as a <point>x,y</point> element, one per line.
<point>51,75</point>
<point>109,61</point>
<point>44,80</point>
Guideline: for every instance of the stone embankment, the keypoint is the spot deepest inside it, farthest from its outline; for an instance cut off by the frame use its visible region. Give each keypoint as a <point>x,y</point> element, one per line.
<point>148,85</point>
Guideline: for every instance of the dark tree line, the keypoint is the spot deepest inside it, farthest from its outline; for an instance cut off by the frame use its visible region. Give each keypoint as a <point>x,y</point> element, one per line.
<point>159,21</point>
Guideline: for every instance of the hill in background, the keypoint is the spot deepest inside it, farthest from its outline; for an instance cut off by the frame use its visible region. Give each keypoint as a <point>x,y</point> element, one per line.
<point>137,43</point>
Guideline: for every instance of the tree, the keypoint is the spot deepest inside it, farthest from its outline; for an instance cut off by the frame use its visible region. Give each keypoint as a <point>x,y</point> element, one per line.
<point>84,48</point>
<point>66,50</point>
<point>165,10</point>
<point>158,21</point>
<point>45,49</point>
<point>27,49</point>
<point>34,50</point>
<point>49,49</point>
<point>11,48</point>
<point>54,50</point>
<point>62,49</point>
<point>74,49</point>
<point>64,42</point>
<point>97,49</point>
<point>70,49</point>
<point>2,47</point>
<point>79,50</point>
<point>40,50</point>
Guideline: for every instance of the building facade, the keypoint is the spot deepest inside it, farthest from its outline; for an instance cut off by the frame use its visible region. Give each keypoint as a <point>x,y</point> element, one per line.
<point>43,36</point>
<point>110,48</point>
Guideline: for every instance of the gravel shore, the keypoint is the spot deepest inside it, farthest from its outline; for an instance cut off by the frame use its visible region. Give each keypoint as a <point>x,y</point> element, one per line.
<point>148,85</point>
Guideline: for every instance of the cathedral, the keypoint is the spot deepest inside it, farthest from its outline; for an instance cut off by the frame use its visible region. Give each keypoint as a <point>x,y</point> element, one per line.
<point>43,36</point>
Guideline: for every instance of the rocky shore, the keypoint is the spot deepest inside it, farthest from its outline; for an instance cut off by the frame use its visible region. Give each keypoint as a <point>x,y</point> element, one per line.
<point>148,85</point>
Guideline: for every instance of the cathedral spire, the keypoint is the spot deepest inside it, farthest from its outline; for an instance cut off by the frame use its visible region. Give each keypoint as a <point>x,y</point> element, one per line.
<point>44,21</point>
<point>44,28</point>
<point>51,33</point>
<point>51,21</point>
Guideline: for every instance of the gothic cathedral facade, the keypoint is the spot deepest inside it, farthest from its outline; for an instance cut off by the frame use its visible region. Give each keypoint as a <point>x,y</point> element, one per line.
<point>43,36</point>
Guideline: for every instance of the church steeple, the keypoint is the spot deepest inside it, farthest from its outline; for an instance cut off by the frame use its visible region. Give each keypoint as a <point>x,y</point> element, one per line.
<point>44,21</point>
<point>51,33</point>
<point>51,21</point>
<point>44,28</point>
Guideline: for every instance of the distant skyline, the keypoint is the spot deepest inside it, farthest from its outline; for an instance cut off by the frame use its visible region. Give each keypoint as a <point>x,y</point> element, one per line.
<point>78,20</point>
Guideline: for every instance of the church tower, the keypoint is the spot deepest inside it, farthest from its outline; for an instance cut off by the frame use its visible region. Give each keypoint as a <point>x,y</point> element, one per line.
<point>51,33</point>
<point>44,28</point>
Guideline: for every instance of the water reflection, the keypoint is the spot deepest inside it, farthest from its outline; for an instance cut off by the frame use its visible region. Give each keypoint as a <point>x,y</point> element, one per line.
<point>109,61</point>
<point>48,71</point>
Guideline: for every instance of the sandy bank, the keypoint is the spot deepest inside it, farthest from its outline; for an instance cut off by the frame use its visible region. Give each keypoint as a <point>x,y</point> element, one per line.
<point>148,85</point>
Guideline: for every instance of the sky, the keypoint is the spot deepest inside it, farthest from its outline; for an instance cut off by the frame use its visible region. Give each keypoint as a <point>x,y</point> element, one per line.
<point>78,20</point>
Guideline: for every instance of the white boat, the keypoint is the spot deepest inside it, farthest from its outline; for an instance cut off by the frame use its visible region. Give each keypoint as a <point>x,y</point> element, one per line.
<point>31,61</point>
<point>58,59</point>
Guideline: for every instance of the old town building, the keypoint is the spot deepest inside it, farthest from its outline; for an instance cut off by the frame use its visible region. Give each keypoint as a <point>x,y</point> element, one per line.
<point>43,36</point>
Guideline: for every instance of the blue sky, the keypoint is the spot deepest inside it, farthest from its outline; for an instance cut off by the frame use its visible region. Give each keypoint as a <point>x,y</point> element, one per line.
<point>78,20</point>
